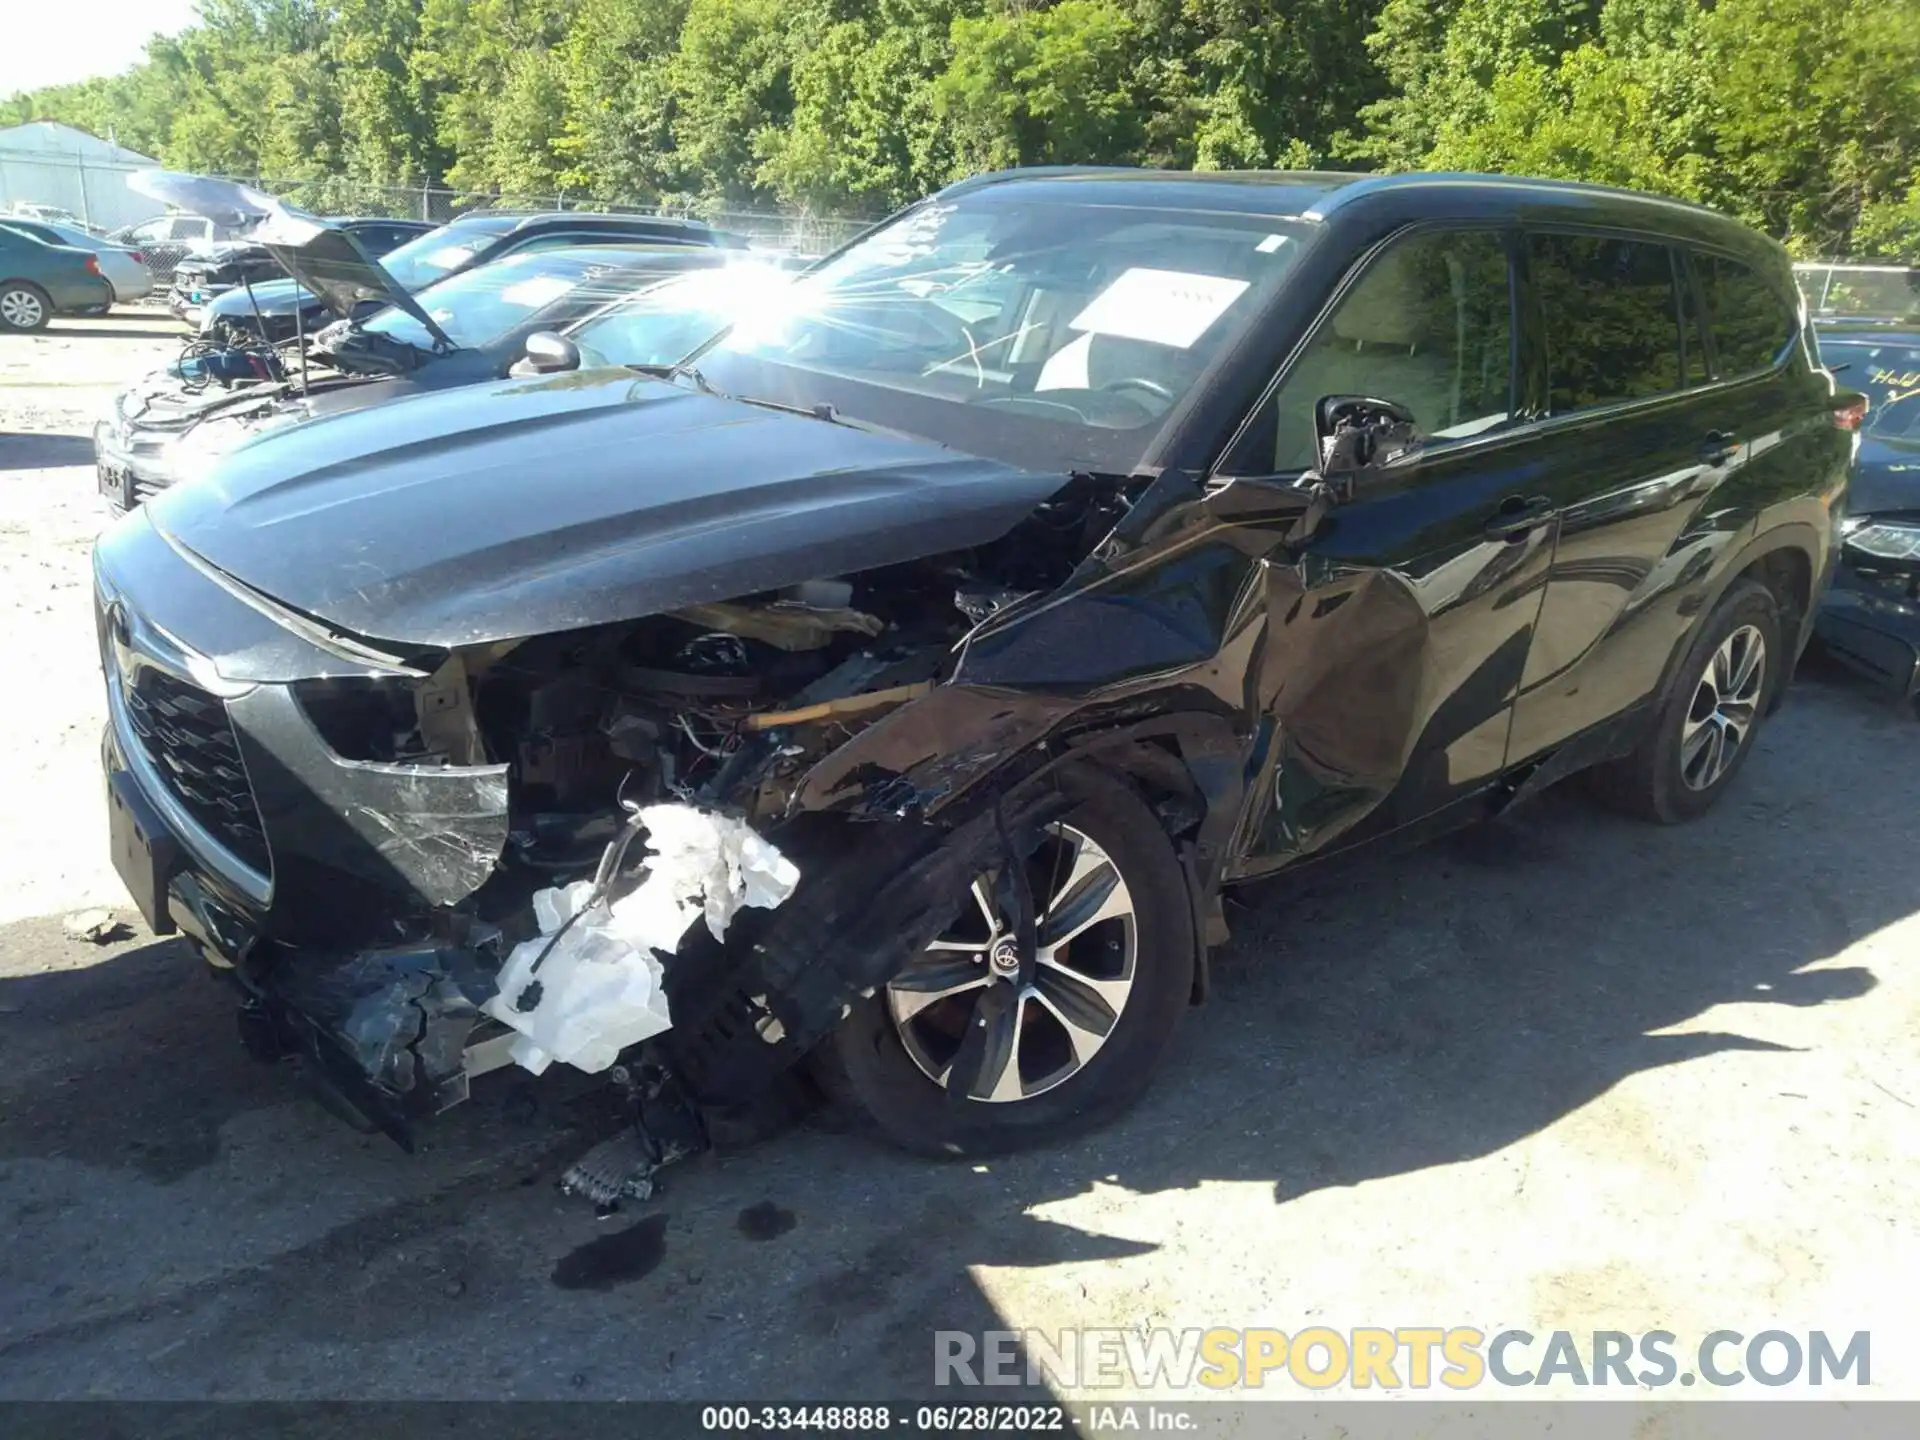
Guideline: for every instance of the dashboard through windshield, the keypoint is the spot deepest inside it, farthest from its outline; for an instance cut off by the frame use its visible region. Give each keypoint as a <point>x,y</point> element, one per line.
<point>1038,332</point>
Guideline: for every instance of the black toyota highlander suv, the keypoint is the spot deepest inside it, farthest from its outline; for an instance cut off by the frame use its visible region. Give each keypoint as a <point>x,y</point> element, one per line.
<point>956,627</point>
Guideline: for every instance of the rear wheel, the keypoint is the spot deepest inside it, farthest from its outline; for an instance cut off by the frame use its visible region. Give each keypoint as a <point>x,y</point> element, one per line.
<point>24,306</point>
<point>1704,728</point>
<point>978,1047</point>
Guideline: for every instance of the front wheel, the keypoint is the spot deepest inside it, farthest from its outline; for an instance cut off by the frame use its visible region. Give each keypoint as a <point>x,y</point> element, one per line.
<point>24,306</point>
<point>1704,727</point>
<point>976,1047</point>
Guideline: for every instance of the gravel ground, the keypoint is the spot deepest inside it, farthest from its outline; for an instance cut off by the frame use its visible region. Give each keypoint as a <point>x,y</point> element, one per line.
<point>1561,1072</point>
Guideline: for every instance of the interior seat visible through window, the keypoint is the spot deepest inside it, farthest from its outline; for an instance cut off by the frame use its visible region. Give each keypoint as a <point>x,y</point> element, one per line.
<point>1428,325</point>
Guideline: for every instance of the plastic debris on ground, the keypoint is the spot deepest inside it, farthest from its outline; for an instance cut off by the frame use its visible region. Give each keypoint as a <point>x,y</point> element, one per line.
<point>598,990</point>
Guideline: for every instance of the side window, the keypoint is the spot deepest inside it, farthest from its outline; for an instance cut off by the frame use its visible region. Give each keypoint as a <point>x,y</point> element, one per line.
<point>1751,321</point>
<point>1429,324</point>
<point>554,241</point>
<point>1610,317</point>
<point>187,227</point>
<point>147,232</point>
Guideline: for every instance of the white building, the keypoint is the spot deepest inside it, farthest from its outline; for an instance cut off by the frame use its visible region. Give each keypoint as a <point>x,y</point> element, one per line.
<point>52,164</point>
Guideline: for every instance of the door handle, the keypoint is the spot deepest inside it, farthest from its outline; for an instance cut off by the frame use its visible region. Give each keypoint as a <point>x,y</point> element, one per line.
<point>1718,448</point>
<point>1518,516</point>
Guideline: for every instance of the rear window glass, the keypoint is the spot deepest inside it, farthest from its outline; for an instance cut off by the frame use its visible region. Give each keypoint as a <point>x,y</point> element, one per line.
<point>1751,321</point>
<point>1611,319</point>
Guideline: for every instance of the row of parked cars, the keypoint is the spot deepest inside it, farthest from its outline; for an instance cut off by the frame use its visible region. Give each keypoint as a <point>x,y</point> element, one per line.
<point>955,621</point>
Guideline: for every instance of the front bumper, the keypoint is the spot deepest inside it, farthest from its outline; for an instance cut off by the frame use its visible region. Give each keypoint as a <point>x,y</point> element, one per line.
<point>318,883</point>
<point>125,475</point>
<point>1870,622</point>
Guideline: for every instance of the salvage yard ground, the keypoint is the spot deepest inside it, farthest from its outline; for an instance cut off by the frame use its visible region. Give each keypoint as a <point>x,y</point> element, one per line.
<point>1565,1072</point>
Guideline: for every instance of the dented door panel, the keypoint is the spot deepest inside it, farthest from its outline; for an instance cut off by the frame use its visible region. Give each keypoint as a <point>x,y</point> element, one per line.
<point>1395,647</point>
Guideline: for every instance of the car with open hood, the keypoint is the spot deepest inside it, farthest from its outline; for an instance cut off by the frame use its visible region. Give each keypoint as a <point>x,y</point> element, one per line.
<point>896,684</point>
<point>238,264</point>
<point>465,329</point>
<point>278,310</point>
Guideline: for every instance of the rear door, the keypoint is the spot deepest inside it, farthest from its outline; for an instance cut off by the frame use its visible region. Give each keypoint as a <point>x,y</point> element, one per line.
<point>1396,635</point>
<point>1641,446</point>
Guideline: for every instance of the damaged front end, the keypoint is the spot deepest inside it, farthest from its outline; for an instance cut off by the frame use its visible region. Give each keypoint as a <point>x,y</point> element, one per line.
<point>637,847</point>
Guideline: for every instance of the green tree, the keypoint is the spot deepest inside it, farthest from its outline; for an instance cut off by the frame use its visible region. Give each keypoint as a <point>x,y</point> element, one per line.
<point>1044,86</point>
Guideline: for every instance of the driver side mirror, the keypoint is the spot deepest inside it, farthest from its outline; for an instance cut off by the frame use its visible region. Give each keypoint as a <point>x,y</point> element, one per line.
<point>1357,435</point>
<point>548,354</point>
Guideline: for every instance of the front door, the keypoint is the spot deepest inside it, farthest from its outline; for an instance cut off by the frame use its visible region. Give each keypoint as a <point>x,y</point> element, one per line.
<point>1398,633</point>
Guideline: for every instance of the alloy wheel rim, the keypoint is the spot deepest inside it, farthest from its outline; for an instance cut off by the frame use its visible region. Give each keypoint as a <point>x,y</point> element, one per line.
<point>1007,1027</point>
<point>1725,703</point>
<point>21,308</point>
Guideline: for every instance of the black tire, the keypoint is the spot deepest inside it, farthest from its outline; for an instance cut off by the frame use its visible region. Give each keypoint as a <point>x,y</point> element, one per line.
<point>29,295</point>
<point>1652,782</point>
<point>917,1113</point>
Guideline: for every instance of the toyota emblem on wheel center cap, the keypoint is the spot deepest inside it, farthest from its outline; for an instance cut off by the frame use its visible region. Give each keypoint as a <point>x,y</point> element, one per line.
<point>1005,955</point>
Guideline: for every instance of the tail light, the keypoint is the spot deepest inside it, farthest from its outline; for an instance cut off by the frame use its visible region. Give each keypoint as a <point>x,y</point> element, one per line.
<point>93,263</point>
<point>139,257</point>
<point>1850,413</point>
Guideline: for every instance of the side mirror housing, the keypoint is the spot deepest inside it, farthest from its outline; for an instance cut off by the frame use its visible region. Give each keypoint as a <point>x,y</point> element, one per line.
<point>548,354</point>
<point>1358,434</point>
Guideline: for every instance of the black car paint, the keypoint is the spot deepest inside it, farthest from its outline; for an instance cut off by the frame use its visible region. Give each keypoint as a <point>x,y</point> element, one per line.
<point>414,515</point>
<point>1292,687</point>
<point>1870,618</point>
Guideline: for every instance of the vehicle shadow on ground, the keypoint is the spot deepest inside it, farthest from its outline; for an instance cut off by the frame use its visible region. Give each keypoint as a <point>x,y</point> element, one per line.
<point>1413,1011</point>
<point>33,452</point>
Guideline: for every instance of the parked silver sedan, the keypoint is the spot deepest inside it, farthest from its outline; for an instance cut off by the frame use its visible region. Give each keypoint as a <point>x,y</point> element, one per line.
<point>124,267</point>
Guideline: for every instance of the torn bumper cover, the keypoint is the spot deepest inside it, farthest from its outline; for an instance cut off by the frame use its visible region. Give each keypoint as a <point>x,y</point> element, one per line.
<point>591,983</point>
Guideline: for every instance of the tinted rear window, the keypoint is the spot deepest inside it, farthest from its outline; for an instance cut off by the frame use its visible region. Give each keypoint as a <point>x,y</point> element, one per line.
<point>1611,318</point>
<point>1752,322</point>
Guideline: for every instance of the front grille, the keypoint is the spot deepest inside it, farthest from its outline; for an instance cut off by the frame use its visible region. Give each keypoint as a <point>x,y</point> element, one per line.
<point>187,736</point>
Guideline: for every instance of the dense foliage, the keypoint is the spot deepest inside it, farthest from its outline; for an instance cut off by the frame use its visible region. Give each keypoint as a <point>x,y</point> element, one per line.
<point>1800,115</point>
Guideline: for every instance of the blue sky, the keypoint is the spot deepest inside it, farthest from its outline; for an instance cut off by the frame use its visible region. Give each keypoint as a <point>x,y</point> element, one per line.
<point>49,42</point>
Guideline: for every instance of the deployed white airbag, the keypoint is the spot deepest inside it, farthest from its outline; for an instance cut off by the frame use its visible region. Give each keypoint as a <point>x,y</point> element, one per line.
<point>599,988</point>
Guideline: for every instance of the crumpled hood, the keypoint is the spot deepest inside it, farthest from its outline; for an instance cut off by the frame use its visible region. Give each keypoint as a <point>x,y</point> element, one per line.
<point>503,510</point>
<point>1886,477</point>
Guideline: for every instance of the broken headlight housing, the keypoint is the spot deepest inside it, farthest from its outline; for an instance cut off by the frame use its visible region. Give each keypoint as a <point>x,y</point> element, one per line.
<point>1893,538</point>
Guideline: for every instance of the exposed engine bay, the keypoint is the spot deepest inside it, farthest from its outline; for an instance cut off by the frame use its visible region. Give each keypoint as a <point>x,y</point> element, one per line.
<point>652,770</point>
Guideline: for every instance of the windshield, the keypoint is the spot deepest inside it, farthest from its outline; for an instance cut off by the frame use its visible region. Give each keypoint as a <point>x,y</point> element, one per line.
<point>479,306</point>
<point>1034,331</point>
<point>665,324</point>
<point>1861,292</point>
<point>425,258</point>
<point>1887,372</point>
